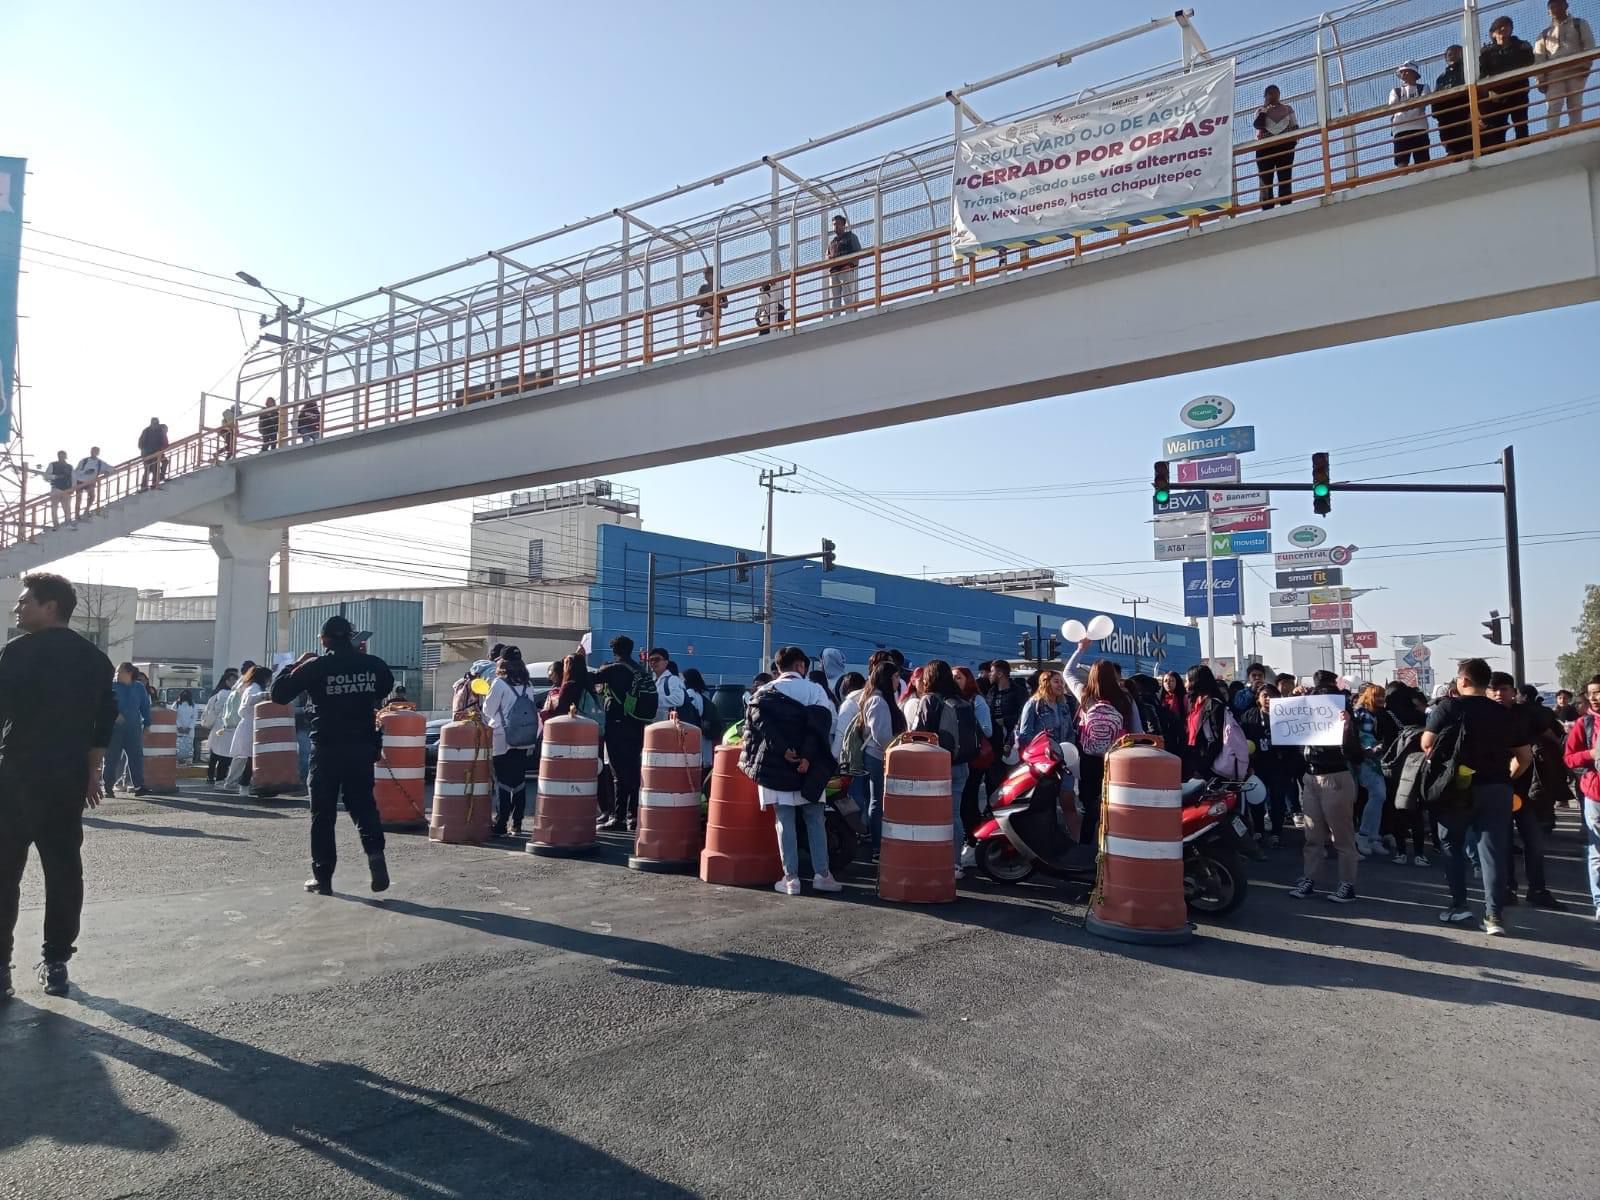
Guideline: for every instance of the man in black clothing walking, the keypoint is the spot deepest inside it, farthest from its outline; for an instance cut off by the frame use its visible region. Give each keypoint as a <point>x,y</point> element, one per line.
<point>624,731</point>
<point>56,712</point>
<point>1005,697</point>
<point>347,686</point>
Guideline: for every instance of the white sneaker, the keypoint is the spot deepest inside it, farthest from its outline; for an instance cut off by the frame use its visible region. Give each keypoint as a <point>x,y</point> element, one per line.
<point>1399,860</point>
<point>823,883</point>
<point>788,886</point>
<point>960,873</point>
<point>1419,860</point>
<point>969,856</point>
<point>232,789</point>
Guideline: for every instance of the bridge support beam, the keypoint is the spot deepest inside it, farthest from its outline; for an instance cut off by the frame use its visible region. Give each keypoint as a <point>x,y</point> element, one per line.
<point>244,586</point>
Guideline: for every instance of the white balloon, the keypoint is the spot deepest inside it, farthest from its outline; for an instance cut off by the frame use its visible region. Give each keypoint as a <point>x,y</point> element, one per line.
<point>1101,627</point>
<point>1072,629</point>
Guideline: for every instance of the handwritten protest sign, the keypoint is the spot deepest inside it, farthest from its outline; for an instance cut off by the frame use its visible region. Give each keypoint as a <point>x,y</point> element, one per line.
<point>1307,720</point>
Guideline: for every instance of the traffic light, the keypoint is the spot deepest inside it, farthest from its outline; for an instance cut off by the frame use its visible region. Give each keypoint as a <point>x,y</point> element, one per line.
<point>1054,648</point>
<point>1163,482</point>
<point>827,555</point>
<point>741,572</point>
<point>1321,484</point>
<point>1025,645</point>
<point>1495,627</point>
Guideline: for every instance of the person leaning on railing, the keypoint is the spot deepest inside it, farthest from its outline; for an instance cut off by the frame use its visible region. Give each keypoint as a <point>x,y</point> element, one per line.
<point>1563,85</point>
<point>1504,101</point>
<point>1274,122</point>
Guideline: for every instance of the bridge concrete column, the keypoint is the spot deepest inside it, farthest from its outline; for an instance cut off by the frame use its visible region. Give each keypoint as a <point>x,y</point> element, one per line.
<point>244,587</point>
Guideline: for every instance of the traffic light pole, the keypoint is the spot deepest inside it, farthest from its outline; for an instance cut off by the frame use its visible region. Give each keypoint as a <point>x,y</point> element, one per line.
<point>1506,488</point>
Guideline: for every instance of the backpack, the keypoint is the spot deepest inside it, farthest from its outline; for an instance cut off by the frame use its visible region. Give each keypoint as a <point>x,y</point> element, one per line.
<point>1233,759</point>
<point>1441,772</point>
<point>642,701</point>
<point>1099,727</point>
<point>853,750</point>
<point>956,723</point>
<point>463,700</point>
<point>521,721</point>
<point>231,716</point>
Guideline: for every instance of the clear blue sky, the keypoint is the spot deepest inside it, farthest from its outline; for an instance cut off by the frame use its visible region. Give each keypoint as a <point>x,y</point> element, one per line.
<point>330,148</point>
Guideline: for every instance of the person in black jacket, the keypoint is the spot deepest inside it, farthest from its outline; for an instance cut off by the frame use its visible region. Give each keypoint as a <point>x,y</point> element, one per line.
<point>1451,110</point>
<point>346,686</point>
<point>1275,766</point>
<point>1329,800</point>
<point>1505,101</point>
<point>788,751</point>
<point>1005,697</point>
<point>56,713</point>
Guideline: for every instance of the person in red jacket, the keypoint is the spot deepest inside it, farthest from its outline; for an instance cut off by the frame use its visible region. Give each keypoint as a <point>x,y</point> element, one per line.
<point>1579,754</point>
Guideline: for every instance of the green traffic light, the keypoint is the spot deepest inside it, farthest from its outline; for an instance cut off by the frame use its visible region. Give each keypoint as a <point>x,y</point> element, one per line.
<point>1162,496</point>
<point>1320,489</point>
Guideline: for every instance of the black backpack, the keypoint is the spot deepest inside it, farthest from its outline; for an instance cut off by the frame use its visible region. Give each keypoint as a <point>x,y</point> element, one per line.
<point>1439,773</point>
<point>956,723</point>
<point>642,701</point>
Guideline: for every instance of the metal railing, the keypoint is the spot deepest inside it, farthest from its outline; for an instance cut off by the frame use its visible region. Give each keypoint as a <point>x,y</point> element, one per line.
<point>507,329</point>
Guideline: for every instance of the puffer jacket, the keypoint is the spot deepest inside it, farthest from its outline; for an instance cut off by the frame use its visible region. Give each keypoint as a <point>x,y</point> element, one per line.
<point>775,724</point>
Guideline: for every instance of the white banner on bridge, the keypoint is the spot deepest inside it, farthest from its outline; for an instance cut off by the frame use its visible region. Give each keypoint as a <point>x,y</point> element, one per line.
<point>1155,153</point>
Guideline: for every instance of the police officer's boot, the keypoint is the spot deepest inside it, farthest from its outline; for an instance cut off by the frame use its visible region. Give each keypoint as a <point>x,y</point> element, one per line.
<point>380,872</point>
<point>320,887</point>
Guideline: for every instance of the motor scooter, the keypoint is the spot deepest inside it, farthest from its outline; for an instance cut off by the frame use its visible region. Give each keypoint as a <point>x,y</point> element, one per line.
<point>1034,827</point>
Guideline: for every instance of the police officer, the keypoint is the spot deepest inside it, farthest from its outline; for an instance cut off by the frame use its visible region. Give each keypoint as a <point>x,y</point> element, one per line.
<point>347,686</point>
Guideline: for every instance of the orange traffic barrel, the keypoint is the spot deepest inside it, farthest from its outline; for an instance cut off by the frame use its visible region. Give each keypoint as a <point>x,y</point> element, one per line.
<point>1139,896</point>
<point>569,781</point>
<point>161,751</point>
<point>274,750</point>
<point>399,780</point>
<point>741,839</point>
<point>670,830</point>
<point>463,785</point>
<point>916,860</point>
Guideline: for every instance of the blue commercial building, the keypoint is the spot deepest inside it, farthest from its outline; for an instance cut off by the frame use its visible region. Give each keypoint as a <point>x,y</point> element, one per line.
<point>713,622</point>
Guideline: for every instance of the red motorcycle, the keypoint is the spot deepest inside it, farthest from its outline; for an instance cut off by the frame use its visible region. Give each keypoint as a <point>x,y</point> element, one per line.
<point>1034,826</point>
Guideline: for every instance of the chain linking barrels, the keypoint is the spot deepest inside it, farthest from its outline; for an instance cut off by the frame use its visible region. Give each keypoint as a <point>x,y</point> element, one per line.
<point>916,863</point>
<point>1139,895</point>
<point>274,750</point>
<point>399,779</point>
<point>741,839</point>
<point>463,785</point>
<point>161,751</point>
<point>670,830</point>
<point>569,778</point>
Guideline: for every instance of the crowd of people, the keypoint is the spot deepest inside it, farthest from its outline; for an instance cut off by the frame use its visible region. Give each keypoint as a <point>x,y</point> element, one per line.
<point>1362,799</point>
<point>1509,69</point>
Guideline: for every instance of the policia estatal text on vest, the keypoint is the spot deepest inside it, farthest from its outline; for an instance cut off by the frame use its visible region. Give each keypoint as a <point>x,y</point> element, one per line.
<point>347,686</point>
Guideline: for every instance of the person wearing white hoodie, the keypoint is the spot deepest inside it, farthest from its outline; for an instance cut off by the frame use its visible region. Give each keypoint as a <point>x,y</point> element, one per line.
<point>1408,126</point>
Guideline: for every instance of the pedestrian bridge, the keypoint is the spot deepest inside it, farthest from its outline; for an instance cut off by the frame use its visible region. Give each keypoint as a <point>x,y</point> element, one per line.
<point>613,361</point>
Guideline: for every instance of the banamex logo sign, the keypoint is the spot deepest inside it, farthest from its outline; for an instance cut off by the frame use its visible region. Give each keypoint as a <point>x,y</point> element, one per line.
<point>1206,412</point>
<point>1305,537</point>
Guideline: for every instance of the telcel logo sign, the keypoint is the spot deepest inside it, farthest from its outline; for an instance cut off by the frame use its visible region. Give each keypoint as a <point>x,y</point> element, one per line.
<point>1206,412</point>
<point>1307,536</point>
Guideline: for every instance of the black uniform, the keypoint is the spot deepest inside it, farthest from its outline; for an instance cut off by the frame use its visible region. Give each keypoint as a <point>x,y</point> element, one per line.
<point>347,687</point>
<point>55,706</point>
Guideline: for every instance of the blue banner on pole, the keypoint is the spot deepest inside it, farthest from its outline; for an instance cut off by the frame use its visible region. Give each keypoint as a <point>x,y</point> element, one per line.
<point>12,171</point>
<point>1224,588</point>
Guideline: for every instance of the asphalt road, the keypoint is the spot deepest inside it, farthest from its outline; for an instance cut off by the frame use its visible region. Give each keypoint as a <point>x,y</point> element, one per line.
<point>504,1025</point>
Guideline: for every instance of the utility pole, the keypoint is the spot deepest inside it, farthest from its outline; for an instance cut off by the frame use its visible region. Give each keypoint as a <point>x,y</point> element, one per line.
<point>1508,475</point>
<point>769,480</point>
<point>1135,601</point>
<point>283,592</point>
<point>1255,628</point>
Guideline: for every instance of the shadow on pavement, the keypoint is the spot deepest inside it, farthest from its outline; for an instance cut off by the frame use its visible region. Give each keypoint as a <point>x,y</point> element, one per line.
<point>403,1139</point>
<point>221,808</point>
<point>160,830</point>
<point>655,962</point>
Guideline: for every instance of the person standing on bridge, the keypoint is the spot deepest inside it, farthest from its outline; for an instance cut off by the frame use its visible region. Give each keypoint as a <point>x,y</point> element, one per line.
<point>1408,127</point>
<point>152,449</point>
<point>87,478</point>
<point>346,686</point>
<point>267,425</point>
<point>711,307</point>
<point>1275,125</point>
<point>59,475</point>
<point>1451,109</point>
<point>1505,101</point>
<point>1567,37</point>
<point>56,712</point>
<point>842,273</point>
<point>308,422</point>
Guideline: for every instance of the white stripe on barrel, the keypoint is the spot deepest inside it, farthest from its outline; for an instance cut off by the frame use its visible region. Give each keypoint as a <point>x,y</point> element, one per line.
<point>1134,848</point>
<point>918,833</point>
<point>669,799</point>
<point>661,758</point>
<point>568,750</point>
<point>916,787</point>
<point>1137,797</point>
<point>463,754</point>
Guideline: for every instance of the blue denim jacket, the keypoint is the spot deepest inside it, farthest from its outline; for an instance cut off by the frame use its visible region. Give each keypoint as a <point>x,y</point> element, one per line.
<point>133,703</point>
